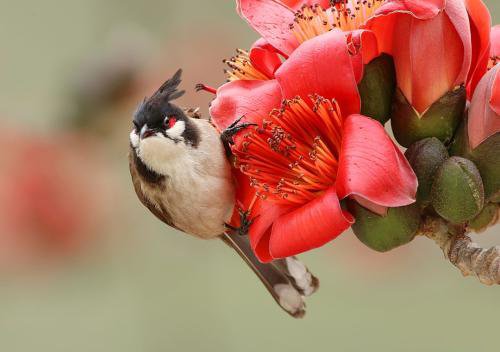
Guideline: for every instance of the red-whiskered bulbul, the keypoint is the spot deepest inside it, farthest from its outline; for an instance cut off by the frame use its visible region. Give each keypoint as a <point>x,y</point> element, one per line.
<point>181,172</point>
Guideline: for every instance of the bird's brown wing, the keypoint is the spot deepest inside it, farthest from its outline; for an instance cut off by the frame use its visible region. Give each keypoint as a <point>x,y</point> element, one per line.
<point>157,209</point>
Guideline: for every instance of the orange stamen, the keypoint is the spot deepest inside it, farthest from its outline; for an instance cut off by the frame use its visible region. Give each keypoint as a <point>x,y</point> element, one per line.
<point>493,61</point>
<point>240,68</point>
<point>347,15</point>
<point>293,156</point>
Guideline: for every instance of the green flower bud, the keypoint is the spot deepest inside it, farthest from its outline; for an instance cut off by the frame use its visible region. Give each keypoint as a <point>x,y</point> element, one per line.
<point>440,120</point>
<point>384,233</point>
<point>377,88</point>
<point>460,143</point>
<point>457,192</point>
<point>485,219</point>
<point>425,157</point>
<point>487,159</point>
<point>486,156</point>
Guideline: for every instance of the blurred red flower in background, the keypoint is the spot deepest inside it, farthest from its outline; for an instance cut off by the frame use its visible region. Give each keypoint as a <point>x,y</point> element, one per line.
<point>51,200</point>
<point>305,157</point>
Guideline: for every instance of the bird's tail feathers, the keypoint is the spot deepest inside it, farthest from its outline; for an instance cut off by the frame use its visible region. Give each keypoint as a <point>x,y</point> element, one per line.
<point>287,280</point>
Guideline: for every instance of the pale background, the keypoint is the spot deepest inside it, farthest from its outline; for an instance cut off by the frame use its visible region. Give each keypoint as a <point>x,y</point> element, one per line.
<point>139,286</point>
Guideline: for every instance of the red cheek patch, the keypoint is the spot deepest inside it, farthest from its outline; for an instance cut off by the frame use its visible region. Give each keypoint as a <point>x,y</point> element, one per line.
<point>171,122</point>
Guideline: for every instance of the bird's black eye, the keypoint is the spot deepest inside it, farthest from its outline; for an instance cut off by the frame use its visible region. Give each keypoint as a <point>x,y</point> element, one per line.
<point>169,122</point>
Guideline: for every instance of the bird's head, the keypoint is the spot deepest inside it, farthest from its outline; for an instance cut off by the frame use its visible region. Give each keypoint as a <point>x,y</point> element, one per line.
<point>162,131</point>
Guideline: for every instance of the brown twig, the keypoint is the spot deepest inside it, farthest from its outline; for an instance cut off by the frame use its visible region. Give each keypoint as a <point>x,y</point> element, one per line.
<point>462,252</point>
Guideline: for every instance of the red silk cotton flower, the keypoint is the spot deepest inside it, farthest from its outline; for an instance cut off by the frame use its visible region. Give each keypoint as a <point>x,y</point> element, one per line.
<point>437,45</point>
<point>310,149</point>
<point>284,25</point>
<point>484,111</point>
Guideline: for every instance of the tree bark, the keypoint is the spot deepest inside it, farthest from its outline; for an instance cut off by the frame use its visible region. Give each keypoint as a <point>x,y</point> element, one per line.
<point>462,252</point>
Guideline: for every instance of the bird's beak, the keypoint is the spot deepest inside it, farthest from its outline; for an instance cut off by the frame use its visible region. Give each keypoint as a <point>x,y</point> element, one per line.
<point>146,132</point>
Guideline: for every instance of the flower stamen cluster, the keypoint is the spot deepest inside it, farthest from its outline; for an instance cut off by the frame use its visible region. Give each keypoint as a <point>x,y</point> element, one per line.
<point>347,15</point>
<point>292,157</point>
<point>240,67</point>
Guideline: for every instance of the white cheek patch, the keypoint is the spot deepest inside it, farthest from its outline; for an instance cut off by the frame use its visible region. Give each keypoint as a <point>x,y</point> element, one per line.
<point>158,153</point>
<point>176,132</point>
<point>134,139</point>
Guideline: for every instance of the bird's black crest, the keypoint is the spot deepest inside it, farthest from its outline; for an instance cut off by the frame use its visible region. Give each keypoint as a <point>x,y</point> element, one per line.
<point>153,110</point>
<point>168,90</point>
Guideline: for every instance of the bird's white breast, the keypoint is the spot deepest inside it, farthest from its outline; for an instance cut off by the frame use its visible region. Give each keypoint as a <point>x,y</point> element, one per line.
<point>199,191</point>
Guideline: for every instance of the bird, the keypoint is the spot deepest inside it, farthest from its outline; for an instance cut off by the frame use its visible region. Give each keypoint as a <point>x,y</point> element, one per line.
<point>181,171</point>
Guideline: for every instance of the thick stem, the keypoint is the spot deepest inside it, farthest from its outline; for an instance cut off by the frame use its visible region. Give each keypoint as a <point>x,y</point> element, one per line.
<point>462,252</point>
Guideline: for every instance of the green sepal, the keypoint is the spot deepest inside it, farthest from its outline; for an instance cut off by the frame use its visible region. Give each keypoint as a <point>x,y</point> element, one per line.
<point>487,216</point>
<point>384,233</point>
<point>457,192</point>
<point>425,157</point>
<point>486,156</point>
<point>377,88</point>
<point>440,120</point>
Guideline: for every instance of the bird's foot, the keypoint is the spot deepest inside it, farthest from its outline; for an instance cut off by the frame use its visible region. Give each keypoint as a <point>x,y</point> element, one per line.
<point>228,134</point>
<point>245,223</point>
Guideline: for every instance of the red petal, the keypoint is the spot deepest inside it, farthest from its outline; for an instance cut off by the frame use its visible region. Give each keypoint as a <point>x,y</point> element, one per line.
<point>382,23</point>
<point>264,215</point>
<point>480,23</point>
<point>495,93</point>
<point>297,4</point>
<point>420,61</point>
<point>375,208</point>
<point>365,49</point>
<point>252,99</point>
<point>261,212</point>
<point>371,166</point>
<point>322,65</point>
<point>421,9</point>
<point>245,195</point>
<point>484,113</point>
<point>495,41</point>
<point>403,29</point>
<point>457,13</point>
<point>271,19</point>
<point>265,58</point>
<point>310,226</point>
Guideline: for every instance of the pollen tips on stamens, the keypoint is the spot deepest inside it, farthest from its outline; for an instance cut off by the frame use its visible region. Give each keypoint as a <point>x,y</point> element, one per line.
<point>312,20</point>
<point>240,67</point>
<point>493,61</point>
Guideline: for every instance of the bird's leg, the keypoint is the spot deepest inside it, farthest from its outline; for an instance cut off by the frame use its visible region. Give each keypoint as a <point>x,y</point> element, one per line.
<point>245,223</point>
<point>228,134</point>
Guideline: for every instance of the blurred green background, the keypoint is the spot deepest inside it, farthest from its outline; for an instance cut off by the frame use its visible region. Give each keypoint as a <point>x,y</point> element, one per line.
<point>135,285</point>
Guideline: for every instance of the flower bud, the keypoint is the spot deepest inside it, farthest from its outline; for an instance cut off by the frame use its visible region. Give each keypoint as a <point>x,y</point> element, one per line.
<point>457,192</point>
<point>486,157</point>
<point>440,120</point>
<point>384,233</point>
<point>425,157</point>
<point>485,219</point>
<point>377,88</point>
<point>460,143</point>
